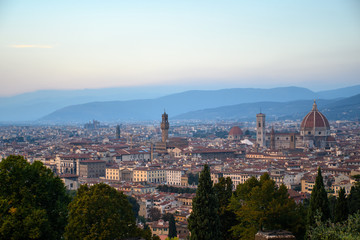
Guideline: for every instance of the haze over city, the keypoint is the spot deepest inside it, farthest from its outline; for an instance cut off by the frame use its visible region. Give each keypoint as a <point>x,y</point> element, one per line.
<point>181,45</point>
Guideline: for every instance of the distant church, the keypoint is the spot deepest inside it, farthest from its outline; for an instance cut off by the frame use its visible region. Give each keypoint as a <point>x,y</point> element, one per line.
<point>314,132</point>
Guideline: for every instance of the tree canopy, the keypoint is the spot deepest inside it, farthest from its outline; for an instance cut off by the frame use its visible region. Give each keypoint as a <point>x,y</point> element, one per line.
<point>223,191</point>
<point>341,207</point>
<point>354,196</point>
<point>319,201</point>
<point>100,212</point>
<point>263,205</point>
<point>172,227</point>
<point>135,205</point>
<point>348,229</point>
<point>33,202</point>
<point>204,220</point>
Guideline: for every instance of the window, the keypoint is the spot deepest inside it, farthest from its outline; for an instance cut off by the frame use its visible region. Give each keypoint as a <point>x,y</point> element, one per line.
<point>259,124</point>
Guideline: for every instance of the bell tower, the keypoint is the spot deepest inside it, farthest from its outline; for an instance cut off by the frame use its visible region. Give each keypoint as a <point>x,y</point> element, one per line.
<point>260,129</point>
<point>164,127</point>
<point>272,139</point>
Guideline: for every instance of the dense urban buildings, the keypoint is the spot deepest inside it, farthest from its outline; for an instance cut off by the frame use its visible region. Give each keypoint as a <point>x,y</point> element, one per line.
<point>140,157</point>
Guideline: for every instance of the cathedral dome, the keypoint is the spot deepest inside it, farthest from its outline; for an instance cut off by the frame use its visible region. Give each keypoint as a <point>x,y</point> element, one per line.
<point>235,133</point>
<point>315,123</point>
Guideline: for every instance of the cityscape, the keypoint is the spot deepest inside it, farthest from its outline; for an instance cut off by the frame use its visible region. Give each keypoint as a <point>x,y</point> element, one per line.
<point>180,120</point>
<point>137,159</point>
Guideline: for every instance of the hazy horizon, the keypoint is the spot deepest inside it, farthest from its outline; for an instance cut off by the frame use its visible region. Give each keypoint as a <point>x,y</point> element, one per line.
<point>163,90</point>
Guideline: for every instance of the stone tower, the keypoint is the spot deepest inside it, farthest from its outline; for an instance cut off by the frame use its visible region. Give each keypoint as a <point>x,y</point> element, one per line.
<point>117,131</point>
<point>260,129</point>
<point>272,139</point>
<point>164,127</point>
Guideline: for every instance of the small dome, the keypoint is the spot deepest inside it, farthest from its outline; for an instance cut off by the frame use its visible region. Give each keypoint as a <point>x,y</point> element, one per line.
<point>235,131</point>
<point>314,121</point>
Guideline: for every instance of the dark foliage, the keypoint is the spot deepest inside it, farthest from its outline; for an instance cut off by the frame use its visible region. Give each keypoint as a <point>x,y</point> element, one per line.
<point>318,201</point>
<point>100,212</point>
<point>204,222</point>
<point>172,227</point>
<point>172,189</point>
<point>33,202</point>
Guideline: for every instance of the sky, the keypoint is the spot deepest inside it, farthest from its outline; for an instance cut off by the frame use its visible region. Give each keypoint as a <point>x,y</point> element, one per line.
<point>202,44</point>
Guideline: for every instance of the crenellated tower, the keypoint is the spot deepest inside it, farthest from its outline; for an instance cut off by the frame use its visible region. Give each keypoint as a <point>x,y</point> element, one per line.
<point>164,127</point>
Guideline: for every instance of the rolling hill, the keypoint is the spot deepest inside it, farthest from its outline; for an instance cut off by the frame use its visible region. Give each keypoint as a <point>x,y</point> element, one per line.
<point>225,104</point>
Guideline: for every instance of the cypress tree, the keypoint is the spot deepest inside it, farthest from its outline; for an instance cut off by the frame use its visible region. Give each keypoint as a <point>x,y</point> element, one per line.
<point>204,220</point>
<point>354,196</point>
<point>318,201</point>
<point>172,227</point>
<point>223,191</point>
<point>341,207</point>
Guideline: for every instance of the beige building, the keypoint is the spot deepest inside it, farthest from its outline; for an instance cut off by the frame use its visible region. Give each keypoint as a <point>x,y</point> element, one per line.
<point>186,198</point>
<point>149,175</point>
<point>113,173</point>
<point>173,176</point>
<point>140,174</point>
<point>184,181</point>
<point>307,184</point>
<point>159,228</point>
<point>126,174</point>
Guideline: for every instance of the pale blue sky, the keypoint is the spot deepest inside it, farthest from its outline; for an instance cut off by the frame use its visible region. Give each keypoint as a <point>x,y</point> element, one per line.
<point>73,44</point>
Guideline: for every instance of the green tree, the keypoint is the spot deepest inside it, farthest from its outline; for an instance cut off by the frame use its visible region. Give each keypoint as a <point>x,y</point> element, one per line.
<point>146,233</point>
<point>100,212</point>
<point>223,191</point>
<point>166,217</point>
<point>318,201</point>
<point>156,237</point>
<point>135,206</point>
<point>354,196</point>
<point>204,220</point>
<point>172,227</point>
<point>341,207</point>
<point>263,205</point>
<point>346,230</point>
<point>193,178</point>
<point>332,206</point>
<point>33,202</point>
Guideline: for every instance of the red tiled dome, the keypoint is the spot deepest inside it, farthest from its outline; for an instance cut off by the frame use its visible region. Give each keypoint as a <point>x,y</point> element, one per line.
<point>235,131</point>
<point>314,119</point>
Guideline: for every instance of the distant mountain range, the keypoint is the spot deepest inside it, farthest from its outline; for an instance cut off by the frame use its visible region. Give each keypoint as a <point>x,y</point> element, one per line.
<point>334,109</point>
<point>235,103</point>
<point>277,102</point>
<point>34,105</point>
